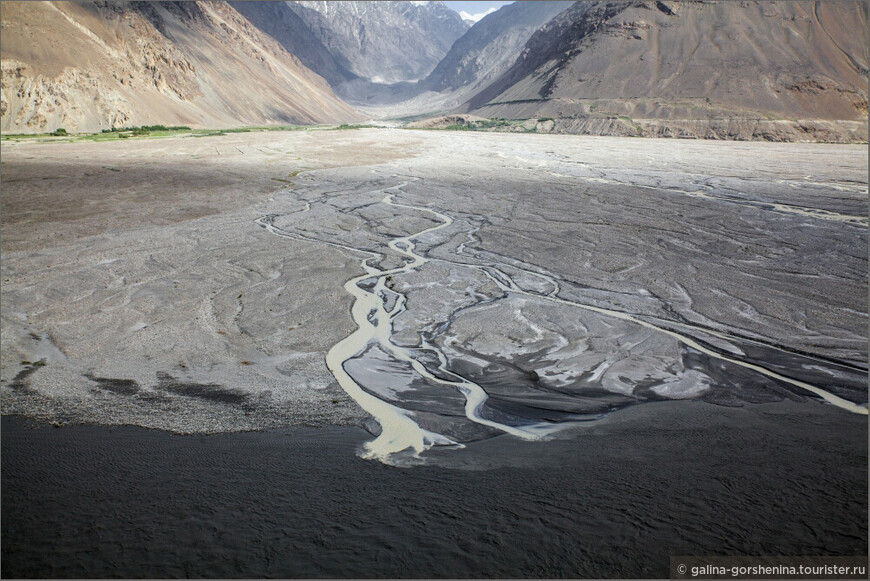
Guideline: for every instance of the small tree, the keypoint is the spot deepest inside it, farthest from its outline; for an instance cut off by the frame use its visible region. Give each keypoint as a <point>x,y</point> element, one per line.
<point>60,132</point>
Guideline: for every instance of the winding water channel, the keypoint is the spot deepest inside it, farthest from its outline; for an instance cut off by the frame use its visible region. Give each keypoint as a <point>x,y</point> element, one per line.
<point>368,358</point>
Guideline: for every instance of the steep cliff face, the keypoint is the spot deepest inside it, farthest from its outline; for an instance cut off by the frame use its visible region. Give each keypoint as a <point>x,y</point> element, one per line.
<point>696,61</point>
<point>91,66</point>
<point>383,41</point>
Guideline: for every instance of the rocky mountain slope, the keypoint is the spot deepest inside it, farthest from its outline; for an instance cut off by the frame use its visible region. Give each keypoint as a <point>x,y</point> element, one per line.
<point>95,65</point>
<point>744,70</point>
<point>282,23</point>
<point>474,61</point>
<point>383,41</point>
<point>491,46</point>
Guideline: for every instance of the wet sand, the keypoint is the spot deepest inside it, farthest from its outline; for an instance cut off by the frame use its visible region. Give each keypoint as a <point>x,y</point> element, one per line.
<point>614,499</point>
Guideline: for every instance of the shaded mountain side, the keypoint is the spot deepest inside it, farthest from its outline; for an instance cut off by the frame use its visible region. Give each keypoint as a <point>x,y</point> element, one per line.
<point>474,61</point>
<point>491,46</point>
<point>91,66</point>
<point>283,24</point>
<point>384,42</point>
<point>693,69</point>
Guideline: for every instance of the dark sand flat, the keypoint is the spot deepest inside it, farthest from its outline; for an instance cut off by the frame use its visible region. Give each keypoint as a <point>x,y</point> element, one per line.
<point>615,499</point>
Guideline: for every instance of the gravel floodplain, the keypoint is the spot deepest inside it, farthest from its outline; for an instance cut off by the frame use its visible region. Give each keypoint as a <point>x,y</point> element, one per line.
<point>571,356</point>
<point>524,282</point>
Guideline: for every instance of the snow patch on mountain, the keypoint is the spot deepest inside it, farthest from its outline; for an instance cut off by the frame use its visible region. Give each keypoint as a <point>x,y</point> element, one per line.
<point>474,18</point>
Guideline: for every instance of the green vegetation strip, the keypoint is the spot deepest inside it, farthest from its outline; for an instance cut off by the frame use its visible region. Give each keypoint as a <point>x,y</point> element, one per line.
<point>494,124</point>
<point>152,131</point>
<point>344,126</point>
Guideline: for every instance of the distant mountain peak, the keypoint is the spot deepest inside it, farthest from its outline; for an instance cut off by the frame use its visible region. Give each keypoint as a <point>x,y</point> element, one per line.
<point>475,18</point>
<point>492,45</point>
<point>382,41</point>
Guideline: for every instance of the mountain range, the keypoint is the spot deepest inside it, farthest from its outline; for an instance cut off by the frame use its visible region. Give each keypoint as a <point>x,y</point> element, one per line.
<point>697,69</point>
<point>489,48</point>
<point>94,65</point>
<point>726,70</point>
<point>383,41</point>
<point>361,48</point>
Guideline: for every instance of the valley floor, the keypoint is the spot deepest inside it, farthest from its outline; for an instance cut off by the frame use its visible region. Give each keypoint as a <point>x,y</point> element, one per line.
<point>197,284</point>
<point>479,303</point>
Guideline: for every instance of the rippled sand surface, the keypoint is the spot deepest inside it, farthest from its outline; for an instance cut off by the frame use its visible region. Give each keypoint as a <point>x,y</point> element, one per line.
<point>667,478</point>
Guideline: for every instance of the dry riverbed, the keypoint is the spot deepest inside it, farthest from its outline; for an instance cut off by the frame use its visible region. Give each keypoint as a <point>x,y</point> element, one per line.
<point>594,352</point>
<point>525,282</point>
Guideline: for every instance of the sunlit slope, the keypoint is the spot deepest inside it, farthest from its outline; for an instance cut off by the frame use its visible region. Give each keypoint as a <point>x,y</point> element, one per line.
<point>90,66</point>
<point>697,61</point>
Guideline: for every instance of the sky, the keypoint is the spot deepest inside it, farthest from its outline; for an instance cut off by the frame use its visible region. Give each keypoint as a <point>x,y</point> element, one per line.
<point>475,7</point>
